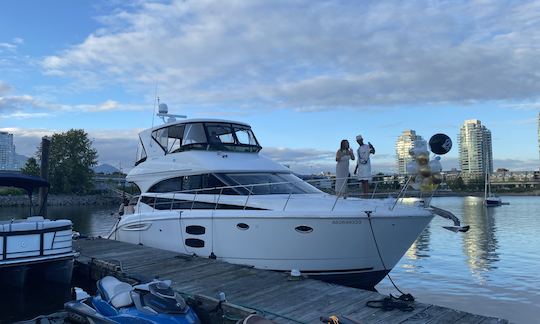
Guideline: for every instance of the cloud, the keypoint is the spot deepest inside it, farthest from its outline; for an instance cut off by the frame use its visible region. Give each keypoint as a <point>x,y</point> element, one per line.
<point>517,165</point>
<point>4,88</point>
<point>27,106</point>
<point>314,55</point>
<point>23,115</point>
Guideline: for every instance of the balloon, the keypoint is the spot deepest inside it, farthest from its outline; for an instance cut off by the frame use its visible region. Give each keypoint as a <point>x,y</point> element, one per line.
<point>440,144</point>
<point>412,167</point>
<point>427,185</point>
<point>435,164</point>
<point>422,158</point>
<point>416,182</point>
<point>425,171</point>
<point>436,178</point>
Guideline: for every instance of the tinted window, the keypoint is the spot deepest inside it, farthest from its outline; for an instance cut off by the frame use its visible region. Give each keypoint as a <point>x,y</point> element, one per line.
<point>141,153</point>
<point>270,183</point>
<point>169,185</point>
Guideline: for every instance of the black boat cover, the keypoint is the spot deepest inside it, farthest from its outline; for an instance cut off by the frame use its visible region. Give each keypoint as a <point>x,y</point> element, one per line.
<point>23,181</point>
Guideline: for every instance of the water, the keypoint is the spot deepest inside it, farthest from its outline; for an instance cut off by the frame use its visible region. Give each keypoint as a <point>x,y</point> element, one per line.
<point>493,270</point>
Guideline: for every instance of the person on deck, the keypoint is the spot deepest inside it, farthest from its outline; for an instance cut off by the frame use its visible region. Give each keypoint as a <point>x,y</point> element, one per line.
<point>363,165</point>
<point>343,155</point>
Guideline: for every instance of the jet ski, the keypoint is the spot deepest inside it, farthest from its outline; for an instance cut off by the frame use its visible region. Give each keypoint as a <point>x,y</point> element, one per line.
<point>120,302</point>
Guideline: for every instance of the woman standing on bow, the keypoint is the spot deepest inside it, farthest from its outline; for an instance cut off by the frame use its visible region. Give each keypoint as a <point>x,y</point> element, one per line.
<point>343,155</point>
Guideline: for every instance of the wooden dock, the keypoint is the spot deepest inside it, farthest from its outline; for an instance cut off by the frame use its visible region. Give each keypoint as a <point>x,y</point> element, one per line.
<point>279,298</point>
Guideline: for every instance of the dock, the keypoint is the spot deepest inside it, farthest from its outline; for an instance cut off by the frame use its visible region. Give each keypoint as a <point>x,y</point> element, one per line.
<point>274,295</point>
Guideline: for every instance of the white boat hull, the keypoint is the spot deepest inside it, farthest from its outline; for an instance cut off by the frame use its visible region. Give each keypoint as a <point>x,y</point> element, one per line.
<point>336,247</point>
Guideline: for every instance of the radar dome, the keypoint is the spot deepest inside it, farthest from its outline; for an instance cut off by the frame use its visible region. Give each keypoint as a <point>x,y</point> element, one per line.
<point>163,109</point>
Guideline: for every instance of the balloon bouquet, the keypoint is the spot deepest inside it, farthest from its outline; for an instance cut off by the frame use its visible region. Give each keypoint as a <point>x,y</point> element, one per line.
<point>426,174</point>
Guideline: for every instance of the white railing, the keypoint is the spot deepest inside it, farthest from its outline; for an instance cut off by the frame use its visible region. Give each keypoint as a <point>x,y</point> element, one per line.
<point>175,202</point>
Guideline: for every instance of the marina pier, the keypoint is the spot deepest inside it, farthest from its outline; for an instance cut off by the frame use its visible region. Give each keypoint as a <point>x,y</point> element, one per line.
<point>275,295</point>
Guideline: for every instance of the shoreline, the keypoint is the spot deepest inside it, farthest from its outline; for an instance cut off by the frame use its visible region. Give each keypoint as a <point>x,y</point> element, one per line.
<point>62,200</point>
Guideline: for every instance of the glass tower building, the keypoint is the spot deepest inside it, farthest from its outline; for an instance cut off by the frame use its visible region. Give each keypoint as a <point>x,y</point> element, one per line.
<point>406,141</point>
<point>475,150</point>
<point>7,152</point>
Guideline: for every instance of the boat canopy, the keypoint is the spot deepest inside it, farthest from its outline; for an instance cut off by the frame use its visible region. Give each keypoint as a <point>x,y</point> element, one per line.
<point>23,181</point>
<point>200,135</point>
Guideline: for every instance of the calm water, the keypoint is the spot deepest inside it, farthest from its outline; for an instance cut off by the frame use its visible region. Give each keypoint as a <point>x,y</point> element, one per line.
<point>494,269</point>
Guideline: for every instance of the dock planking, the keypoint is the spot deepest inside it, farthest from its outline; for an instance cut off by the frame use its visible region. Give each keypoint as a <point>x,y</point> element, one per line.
<point>269,292</point>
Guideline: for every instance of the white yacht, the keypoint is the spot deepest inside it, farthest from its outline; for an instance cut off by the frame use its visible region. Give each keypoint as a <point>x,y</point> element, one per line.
<point>207,190</point>
<point>34,248</point>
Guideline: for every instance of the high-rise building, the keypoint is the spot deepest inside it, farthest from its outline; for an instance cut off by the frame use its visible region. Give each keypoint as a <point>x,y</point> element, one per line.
<point>7,152</point>
<point>539,134</point>
<point>475,150</point>
<point>405,142</point>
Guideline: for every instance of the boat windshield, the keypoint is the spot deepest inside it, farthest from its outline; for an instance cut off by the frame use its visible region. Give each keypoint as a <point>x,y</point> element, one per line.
<point>211,136</point>
<point>269,183</point>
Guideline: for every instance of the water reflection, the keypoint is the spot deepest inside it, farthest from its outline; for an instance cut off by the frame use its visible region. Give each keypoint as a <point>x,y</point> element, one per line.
<point>480,243</point>
<point>30,302</point>
<point>420,247</point>
<point>88,220</point>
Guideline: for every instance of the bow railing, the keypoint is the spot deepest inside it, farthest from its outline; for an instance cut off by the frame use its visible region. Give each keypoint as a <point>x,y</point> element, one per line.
<point>211,198</point>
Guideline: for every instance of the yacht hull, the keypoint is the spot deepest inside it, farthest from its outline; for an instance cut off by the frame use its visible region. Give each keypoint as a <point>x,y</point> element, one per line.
<point>345,248</point>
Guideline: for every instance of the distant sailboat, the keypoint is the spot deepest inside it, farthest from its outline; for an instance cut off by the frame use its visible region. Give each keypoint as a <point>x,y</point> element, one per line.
<point>490,200</point>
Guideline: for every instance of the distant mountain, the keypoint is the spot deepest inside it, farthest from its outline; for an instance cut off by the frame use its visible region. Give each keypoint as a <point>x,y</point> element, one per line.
<point>105,168</point>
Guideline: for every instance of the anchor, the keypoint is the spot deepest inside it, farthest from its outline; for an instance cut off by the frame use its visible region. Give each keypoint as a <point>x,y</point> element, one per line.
<point>448,215</point>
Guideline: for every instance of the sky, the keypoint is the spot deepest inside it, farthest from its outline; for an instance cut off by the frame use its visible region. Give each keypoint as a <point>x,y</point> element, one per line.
<point>304,74</point>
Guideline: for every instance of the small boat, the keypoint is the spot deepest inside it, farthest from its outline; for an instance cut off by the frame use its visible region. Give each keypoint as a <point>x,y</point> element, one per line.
<point>34,247</point>
<point>119,302</point>
<point>490,200</point>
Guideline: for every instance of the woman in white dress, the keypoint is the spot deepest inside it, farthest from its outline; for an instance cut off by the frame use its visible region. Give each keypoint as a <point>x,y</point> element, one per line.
<point>343,155</point>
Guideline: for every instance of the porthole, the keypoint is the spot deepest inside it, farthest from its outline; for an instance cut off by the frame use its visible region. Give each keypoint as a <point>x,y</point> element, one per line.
<point>242,226</point>
<point>196,243</point>
<point>195,230</point>
<point>303,229</point>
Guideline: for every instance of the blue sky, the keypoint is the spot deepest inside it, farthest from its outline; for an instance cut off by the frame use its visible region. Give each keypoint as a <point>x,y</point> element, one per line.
<point>305,74</point>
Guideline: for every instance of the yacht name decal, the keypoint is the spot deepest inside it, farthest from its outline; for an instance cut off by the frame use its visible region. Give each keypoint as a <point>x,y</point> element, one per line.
<point>347,221</point>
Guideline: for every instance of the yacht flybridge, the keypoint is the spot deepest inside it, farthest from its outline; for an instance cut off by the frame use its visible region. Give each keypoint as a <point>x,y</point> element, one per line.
<point>207,190</point>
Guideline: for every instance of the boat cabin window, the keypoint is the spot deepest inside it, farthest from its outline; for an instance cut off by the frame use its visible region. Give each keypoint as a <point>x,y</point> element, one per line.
<point>212,136</point>
<point>200,183</point>
<point>270,183</point>
<point>245,136</point>
<point>195,136</point>
<point>141,153</point>
<point>169,138</point>
<point>241,183</point>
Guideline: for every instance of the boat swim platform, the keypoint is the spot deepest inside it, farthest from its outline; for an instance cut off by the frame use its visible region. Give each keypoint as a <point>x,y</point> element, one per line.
<point>273,294</point>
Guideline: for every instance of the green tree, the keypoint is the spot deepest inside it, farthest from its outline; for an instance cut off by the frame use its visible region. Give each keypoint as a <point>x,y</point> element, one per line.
<point>456,185</point>
<point>71,159</point>
<point>31,167</point>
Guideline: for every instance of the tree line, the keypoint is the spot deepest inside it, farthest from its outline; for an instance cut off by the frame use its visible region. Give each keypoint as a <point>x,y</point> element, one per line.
<point>71,158</point>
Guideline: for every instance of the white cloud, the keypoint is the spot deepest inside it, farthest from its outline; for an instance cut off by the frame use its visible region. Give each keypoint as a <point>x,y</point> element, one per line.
<point>23,115</point>
<point>27,106</point>
<point>315,55</point>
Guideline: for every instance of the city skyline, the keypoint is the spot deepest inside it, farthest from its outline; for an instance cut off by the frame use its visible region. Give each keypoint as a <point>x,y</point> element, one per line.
<point>305,76</point>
